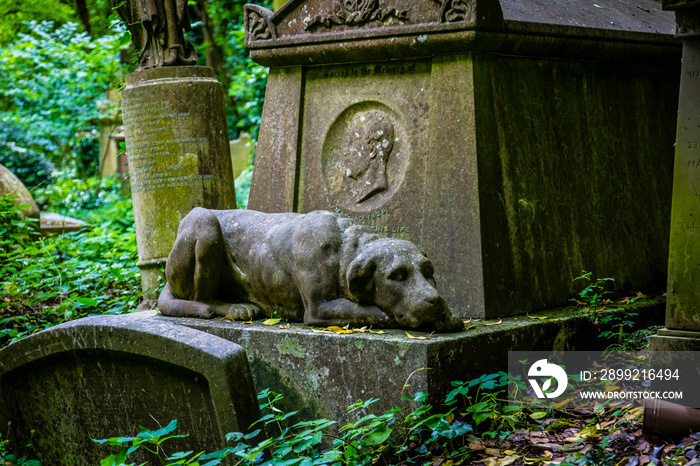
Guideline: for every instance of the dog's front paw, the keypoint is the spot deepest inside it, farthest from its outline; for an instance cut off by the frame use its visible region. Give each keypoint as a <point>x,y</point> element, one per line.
<point>239,311</point>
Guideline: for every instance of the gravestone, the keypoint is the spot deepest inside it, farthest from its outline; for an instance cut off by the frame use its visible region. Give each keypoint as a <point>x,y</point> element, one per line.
<point>177,143</point>
<point>176,133</point>
<point>517,144</point>
<point>10,184</point>
<point>103,376</point>
<point>682,332</point>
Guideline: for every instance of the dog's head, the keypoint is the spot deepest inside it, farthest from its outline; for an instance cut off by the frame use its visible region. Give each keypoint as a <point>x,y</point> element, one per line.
<point>398,278</point>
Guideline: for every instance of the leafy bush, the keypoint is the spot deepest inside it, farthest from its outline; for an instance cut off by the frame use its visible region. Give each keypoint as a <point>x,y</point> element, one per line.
<point>247,87</point>
<point>52,280</point>
<point>419,437</point>
<point>78,197</point>
<point>242,184</point>
<point>51,88</point>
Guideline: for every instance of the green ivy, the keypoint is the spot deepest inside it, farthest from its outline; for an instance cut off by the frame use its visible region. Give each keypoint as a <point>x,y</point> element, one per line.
<point>46,281</point>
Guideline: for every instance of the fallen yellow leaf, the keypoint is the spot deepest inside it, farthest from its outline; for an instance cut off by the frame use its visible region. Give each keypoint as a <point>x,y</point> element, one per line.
<point>467,321</point>
<point>633,414</point>
<point>419,338</point>
<point>228,317</point>
<point>470,327</point>
<point>271,321</point>
<point>494,323</point>
<point>338,330</point>
<point>248,322</point>
<point>538,317</point>
<point>320,330</point>
<point>376,331</point>
<point>285,326</point>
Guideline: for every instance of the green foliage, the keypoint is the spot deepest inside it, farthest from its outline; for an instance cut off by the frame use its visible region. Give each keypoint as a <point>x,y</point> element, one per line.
<point>47,281</point>
<point>597,456</point>
<point>14,15</point>
<point>51,96</point>
<point>242,184</point>
<point>615,325</point>
<point>245,79</point>
<point>83,198</point>
<point>9,459</point>
<point>593,295</point>
<point>388,438</point>
<point>151,440</point>
<point>15,231</point>
<point>247,90</point>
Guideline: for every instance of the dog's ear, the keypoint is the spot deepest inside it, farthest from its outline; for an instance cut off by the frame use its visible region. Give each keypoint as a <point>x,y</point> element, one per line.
<point>360,277</point>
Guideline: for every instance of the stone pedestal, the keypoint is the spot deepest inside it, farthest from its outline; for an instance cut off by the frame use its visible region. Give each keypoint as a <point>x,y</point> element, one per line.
<point>177,144</point>
<point>682,332</point>
<point>515,148</point>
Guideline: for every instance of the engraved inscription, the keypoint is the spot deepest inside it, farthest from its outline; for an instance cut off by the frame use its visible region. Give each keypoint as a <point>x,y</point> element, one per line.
<point>692,144</point>
<point>371,221</point>
<point>687,225</point>
<point>693,74</point>
<point>157,160</point>
<point>355,13</point>
<point>375,70</point>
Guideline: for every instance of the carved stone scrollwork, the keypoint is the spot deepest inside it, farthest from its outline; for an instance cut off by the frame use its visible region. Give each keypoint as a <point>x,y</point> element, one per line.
<point>258,24</point>
<point>455,10</point>
<point>687,24</point>
<point>355,13</point>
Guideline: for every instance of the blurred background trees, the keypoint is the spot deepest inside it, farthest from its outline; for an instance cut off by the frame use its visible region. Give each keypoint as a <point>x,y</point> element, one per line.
<point>60,58</point>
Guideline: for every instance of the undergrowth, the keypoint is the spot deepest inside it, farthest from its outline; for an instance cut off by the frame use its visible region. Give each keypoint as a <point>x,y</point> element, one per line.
<point>46,281</point>
<point>388,438</point>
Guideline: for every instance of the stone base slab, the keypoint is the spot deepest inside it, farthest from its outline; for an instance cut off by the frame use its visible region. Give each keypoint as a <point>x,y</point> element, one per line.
<point>675,340</point>
<point>320,374</point>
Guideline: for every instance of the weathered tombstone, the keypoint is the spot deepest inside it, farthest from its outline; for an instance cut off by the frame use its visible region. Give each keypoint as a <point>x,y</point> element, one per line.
<point>10,184</point>
<point>526,142</point>
<point>176,135</point>
<point>102,377</point>
<point>682,330</point>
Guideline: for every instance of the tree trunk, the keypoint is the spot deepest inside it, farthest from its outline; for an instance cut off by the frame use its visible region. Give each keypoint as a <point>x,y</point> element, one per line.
<point>84,14</point>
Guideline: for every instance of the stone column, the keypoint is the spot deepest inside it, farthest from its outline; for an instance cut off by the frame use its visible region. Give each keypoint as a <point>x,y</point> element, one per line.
<point>682,332</point>
<point>178,152</point>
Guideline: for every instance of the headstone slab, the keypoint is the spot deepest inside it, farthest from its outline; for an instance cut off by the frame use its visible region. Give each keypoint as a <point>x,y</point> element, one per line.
<point>513,161</point>
<point>102,377</point>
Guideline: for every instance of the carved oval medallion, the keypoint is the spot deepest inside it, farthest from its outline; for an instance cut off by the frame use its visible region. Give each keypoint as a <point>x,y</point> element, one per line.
<point>365,155</point>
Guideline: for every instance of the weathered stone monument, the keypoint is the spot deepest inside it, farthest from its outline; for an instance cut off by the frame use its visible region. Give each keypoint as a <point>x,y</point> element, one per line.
<point>682,332</point>
<point>320,268</point>
<point>103,376</point>
<point>176,134</point>
<point>518,145</point>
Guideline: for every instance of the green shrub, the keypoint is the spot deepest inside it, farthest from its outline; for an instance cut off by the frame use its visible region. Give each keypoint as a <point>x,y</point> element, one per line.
<point>242,184</point>
<point>59,278</point>
<point>78,197</point>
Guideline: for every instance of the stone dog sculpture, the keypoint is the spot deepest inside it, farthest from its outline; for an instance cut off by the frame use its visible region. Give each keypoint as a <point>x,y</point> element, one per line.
<point>319,268</point>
